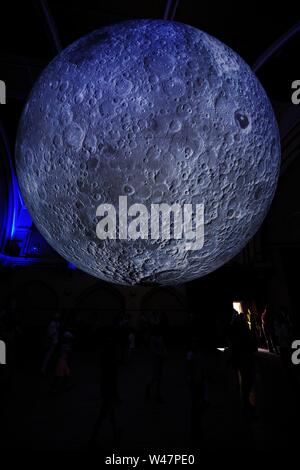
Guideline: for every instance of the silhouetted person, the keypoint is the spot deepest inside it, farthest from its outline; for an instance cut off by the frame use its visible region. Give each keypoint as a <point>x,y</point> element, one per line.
<point>197,379</point>
<point>62,372</point>
<point>109,369</point>
<point>242,347</point>
<point>6,377</point>
<point>158,352</point>
<point>53,332</point>
<point>144,329</point>
<point>11,334</point>
<point>131,345</point>
<point>67,340</point>
<point>122,329</point>
<point>284,337</point>
<point>268,330</point>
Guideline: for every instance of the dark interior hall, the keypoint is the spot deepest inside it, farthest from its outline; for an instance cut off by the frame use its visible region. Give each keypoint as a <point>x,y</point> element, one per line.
<point>37,286</point>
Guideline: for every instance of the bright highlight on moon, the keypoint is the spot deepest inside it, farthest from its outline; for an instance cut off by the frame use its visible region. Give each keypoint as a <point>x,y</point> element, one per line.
<point>159,112</point>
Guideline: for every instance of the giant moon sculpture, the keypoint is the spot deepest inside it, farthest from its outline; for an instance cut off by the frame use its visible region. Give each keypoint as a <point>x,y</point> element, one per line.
<point>159,112</point>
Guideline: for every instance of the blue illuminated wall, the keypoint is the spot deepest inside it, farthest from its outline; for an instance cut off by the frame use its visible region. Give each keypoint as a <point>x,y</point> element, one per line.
<point>20,241</point>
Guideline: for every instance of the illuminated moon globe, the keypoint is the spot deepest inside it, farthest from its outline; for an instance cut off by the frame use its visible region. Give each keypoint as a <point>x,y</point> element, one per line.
<point>151,113</point>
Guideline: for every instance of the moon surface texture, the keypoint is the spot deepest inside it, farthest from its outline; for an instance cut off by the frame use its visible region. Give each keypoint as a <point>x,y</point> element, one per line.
<point>159,112</point>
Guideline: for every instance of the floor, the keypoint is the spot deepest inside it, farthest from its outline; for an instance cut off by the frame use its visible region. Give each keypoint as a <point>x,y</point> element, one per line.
<point>39,419</point>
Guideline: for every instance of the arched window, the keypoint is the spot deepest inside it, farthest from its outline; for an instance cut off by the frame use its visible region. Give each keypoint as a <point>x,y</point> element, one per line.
<point>99,305</point>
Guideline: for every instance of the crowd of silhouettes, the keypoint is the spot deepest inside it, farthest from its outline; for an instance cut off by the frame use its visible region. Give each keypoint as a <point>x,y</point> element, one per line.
<point>118,344</point>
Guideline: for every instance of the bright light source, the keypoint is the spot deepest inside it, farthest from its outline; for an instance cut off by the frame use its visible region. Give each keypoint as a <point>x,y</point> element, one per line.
<point>237,306</point>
